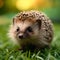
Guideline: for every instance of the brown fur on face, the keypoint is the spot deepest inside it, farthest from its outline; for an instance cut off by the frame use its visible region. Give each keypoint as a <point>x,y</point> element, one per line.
<point>32,28</point>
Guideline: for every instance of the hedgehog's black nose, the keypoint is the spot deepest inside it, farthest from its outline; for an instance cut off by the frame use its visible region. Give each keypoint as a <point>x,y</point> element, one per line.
<point>21,37</point>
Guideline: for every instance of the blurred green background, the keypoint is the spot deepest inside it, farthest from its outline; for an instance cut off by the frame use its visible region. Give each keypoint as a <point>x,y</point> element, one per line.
<point>9,8</point>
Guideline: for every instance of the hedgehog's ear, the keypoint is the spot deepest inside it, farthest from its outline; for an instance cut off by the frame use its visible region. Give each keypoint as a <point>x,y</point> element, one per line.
<point>39,23</point>
<point>14,20</point>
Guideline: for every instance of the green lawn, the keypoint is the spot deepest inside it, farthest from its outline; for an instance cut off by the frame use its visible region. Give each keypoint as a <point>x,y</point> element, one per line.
<point>8,51</point>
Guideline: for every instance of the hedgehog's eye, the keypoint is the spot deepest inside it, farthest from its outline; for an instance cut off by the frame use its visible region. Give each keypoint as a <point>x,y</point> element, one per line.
<point>17,29</point>
<point>29,29</point>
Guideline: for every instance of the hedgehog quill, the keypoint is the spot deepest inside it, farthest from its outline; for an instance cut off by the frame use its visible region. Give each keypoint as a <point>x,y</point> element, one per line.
<point>31,29</point>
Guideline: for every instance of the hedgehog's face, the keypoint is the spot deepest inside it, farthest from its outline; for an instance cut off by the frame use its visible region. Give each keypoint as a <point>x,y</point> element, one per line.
<point>25,29</point>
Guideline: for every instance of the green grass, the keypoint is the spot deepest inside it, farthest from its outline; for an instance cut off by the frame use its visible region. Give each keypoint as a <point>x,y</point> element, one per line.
<point>9,51</point>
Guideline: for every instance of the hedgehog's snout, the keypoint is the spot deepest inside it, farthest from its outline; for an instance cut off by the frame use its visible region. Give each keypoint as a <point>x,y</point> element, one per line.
<point>23,36</point>
<point>20,36</point>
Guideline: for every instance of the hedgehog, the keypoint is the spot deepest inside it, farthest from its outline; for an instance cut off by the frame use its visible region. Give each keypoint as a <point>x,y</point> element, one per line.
<point>31,29</point>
